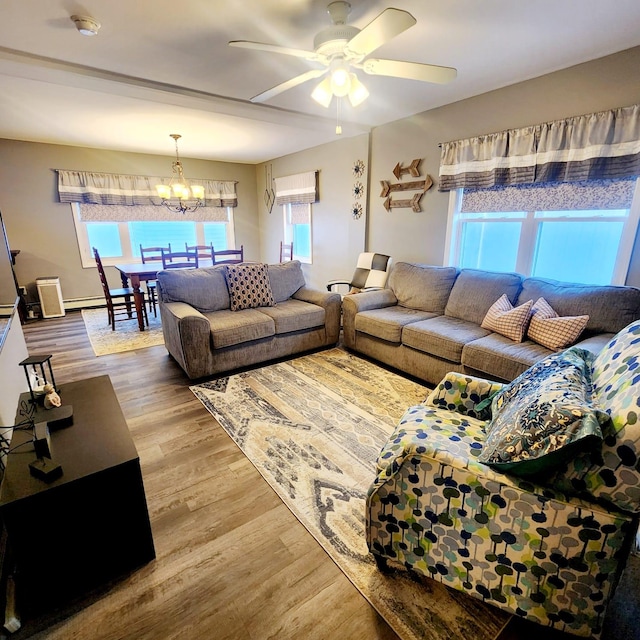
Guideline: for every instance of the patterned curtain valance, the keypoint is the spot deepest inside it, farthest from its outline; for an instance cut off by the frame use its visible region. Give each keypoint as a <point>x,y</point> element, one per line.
<point>111,188</point>
<point>297,189</point>
<point>148,212</point>
<point>599,146</point>
<point>561,196</point>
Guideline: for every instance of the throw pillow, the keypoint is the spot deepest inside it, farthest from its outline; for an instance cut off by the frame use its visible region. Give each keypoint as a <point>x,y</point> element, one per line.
<point>249,286</point>
<point>506,320</point>
<point>552,331</point>
<point>544,416</point>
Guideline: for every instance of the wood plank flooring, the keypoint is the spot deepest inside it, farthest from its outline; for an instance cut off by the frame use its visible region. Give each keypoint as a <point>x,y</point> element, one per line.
<point>232,562</point>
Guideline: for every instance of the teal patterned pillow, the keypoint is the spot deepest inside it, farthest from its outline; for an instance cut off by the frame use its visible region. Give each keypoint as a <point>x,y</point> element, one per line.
<point>612,473</point>
<point>544,416</point>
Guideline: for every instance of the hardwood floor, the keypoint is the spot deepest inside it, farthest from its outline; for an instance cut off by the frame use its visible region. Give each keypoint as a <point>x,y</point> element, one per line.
<point>232,561</point>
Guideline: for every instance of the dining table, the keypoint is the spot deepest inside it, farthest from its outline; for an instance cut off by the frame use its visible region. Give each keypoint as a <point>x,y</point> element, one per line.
<point>133,274</point>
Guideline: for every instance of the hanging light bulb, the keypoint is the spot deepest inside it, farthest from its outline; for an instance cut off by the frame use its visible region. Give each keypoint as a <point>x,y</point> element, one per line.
<point>340,78</point>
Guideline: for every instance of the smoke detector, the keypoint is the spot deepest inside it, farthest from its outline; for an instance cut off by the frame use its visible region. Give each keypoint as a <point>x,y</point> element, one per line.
<point>86,25</point>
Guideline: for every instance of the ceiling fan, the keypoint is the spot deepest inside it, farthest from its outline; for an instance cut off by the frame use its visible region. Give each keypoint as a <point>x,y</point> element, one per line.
<point>342,47</point>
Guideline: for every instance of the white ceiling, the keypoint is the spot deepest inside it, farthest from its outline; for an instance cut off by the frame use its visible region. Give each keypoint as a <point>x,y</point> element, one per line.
<point>158,67</point>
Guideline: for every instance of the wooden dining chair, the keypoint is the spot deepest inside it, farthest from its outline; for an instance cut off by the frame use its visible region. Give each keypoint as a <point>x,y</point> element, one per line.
<point>120,305</point>
<point>204,251</point>
<point>286,252</point>
<point>229,256</point>
<point>152,254</point>
<point>179,259</point>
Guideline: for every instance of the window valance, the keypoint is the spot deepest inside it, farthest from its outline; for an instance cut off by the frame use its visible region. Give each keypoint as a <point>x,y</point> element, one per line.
<point>598,146</point>
<point>148,212</point>
<point>115,189</point>
<point>560,196</point>
<point>300,188</point>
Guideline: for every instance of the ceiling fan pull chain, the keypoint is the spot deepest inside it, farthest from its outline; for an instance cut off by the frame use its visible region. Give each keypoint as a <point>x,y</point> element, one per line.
<point>338,125</point>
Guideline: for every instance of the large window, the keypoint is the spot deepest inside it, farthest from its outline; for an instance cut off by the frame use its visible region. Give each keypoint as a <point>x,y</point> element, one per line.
<point>588,239</point>
<point>297,229</point>
<point>119,242</point>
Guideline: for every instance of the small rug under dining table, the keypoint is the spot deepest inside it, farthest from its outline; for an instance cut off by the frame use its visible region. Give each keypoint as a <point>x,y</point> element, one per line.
<point>313,427</point>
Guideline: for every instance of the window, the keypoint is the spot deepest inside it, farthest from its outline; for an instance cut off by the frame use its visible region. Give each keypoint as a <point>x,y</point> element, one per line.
<point>590,243</point>
<point>119,242</point>
<point>297,229</point>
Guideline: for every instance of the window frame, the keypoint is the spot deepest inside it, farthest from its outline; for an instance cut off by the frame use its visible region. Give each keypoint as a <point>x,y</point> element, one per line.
<point>86,252</point>
<point>288,233</point>
<point>530,233</point>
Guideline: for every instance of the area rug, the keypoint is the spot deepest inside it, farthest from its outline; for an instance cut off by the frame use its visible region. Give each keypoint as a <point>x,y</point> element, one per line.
<point>126,337</point>
<point>313,427</point>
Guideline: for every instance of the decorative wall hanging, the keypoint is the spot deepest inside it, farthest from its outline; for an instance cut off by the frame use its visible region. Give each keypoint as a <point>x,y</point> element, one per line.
<point>415,185</point>
<point>269,193</point>
<point>358,190</point>
<point>358,169</point>
<point>356,211</point>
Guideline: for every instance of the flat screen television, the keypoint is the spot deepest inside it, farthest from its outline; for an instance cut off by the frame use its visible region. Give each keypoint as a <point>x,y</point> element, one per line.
<point>8,287</point>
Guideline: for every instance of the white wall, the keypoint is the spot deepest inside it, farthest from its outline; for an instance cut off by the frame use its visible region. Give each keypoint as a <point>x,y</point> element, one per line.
<point>12,379</point>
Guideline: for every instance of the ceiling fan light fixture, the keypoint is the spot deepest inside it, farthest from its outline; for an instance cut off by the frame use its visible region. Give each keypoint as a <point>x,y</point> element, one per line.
<point>358,93</point>
<point>323,94</point>
<point>340,79</point>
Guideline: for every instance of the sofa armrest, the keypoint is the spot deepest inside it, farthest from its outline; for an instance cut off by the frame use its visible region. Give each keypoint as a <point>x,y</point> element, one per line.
<point>353,304</point>
<point>187,336</point>
<point>463,393</point>
<point>330,302</point>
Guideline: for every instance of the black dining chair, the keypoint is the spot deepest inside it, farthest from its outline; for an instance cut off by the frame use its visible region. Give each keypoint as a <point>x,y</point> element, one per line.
<point>229,256</point>
<point>204,251</point>
<point>120,303</point>
<point>286,252</point>
<point>179,259</point>
<point>152,254</point>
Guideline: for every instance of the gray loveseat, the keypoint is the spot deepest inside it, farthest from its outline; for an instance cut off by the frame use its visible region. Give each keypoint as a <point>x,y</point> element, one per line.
<point>206,337</point>
<point>427,322</point>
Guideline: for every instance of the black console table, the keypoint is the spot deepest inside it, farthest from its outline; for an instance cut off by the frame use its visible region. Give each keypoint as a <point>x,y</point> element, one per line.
<point>91,524</point>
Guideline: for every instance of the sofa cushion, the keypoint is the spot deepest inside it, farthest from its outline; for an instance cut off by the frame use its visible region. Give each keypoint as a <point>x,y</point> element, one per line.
<point>506,320</point>
<point>544,416</point>
<point>502,358</point>
<point>204,289</point>
<point>474,291</point>
<point>249,286</point>
<point>421,286</point>
<point>387,323</point>
<point>295,315</point>
<point>552,331</point>
<point>609,308</point>
<point>613,473</point>
<point>286,279</point>
<point>235,327</point>
<point>442,336</point>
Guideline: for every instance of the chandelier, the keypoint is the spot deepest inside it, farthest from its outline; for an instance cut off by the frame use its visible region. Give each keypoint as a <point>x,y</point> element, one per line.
<point>180,188</point>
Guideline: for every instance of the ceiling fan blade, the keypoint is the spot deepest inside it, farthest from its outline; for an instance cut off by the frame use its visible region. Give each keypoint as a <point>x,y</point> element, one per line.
<point>274,48</point>
<point>389,24</point>
<point>289,84</point>
<point>409,70</point>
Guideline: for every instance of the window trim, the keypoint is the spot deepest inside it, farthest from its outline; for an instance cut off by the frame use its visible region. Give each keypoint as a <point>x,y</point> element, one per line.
<point>86,253</point>
<point>288,233</point>
<point>530,225</point>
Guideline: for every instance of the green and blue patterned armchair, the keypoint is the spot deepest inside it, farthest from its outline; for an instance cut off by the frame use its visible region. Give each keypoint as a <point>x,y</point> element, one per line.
<point>525,495</point>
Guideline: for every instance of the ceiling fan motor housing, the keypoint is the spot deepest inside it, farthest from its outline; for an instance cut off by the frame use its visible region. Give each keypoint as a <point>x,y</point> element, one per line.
<point>332,40</point>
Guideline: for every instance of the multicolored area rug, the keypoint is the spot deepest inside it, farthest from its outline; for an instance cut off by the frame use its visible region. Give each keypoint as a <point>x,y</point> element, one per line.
<point>126,337</point>
<point>313,427</point>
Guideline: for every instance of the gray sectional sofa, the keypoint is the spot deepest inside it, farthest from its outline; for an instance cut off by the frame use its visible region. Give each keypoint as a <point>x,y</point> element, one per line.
<point>206,337</point>
<point>427,322</point>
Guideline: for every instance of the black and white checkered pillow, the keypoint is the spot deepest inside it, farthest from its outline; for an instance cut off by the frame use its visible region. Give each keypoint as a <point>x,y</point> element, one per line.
<point>371,271</point>
<point>249,286</point>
